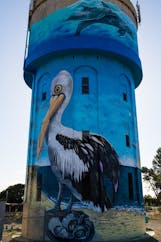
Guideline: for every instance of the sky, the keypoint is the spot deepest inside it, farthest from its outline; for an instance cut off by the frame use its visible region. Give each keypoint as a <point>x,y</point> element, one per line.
<point>15,95</point>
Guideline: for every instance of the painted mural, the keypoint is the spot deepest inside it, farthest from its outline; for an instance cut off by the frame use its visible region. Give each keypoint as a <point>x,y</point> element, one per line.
<point>94,18</point>
<point>78,187</point>
<point>79,160</point>
<point>101,14</point>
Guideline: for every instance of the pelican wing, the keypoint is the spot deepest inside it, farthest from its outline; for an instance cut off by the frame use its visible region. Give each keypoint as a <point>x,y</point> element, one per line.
<point>110,162</point>
<point>94,149</point>
<point>83,149</point>
<point>101,159</point>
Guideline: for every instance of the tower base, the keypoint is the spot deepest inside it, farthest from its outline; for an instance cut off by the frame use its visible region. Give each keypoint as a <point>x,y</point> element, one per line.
<point>116,224</point>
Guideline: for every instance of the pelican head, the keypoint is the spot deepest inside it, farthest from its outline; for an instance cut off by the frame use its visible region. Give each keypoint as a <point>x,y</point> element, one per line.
<point>61,91</point>
<point>62,84</point>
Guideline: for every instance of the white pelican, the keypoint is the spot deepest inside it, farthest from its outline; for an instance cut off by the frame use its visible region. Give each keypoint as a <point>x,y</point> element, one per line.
<point>79,160</point>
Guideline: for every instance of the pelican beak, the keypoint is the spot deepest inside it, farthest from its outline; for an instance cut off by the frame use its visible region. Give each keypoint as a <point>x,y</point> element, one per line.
<point>55,102</point>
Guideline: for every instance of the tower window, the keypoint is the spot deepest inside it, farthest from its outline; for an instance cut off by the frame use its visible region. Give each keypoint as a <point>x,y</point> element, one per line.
<point>130,184</point>
<point>85,133</point>
<point>124,97</point>
<point>127,140</point>
<point>43,97</point>
<point>85,85</point>
<point>39,187</point>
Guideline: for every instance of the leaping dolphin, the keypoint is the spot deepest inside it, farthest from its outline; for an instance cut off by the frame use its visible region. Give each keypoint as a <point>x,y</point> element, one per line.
<point>99,14</point>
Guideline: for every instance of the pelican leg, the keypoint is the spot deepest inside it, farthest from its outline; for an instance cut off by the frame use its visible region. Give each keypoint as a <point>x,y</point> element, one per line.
<point>69,207</point>
<point>59,198</point>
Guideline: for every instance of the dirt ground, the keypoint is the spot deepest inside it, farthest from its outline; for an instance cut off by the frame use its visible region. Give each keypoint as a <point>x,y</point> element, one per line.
<point>12,231</point>
<point>155,224</point>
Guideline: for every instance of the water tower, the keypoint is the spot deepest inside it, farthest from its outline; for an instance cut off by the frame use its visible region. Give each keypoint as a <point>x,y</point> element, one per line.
<point>87,50</point>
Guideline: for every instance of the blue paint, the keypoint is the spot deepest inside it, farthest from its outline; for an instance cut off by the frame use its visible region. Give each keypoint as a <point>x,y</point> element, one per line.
<point>63,23</point>
<point>104,105</point>
<point>112,64</point>
<point>57,33</point>
<point>87,43</point>
<point>50,187</point>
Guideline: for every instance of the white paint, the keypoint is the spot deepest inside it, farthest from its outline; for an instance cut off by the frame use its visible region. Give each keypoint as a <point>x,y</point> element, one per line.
<point>128,208</point>
<point>128,161</point>
<point>96,140</point>
<point>67,161</point>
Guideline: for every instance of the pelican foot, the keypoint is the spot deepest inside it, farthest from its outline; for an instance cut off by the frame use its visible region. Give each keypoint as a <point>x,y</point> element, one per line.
<point>68,209</point>
<point>55,209</point>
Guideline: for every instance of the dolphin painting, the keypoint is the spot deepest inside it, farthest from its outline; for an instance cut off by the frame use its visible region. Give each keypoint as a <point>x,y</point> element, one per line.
<point>99,14</point>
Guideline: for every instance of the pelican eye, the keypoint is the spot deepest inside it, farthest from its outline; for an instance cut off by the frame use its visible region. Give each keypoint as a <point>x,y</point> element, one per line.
<point>58,89</point>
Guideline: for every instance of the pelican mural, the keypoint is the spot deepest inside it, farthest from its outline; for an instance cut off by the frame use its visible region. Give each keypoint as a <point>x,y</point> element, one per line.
<point>78,160</point>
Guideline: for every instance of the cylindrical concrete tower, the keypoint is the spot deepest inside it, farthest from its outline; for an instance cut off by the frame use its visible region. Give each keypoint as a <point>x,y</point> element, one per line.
<point>83,178</point>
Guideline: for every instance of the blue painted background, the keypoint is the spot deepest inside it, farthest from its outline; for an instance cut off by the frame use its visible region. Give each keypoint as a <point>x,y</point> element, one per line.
<point>64,23</point>
<point>102,111</point>
<point>110,60</point>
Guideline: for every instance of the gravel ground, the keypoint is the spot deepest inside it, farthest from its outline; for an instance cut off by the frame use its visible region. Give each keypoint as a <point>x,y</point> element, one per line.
<point>154,224</point>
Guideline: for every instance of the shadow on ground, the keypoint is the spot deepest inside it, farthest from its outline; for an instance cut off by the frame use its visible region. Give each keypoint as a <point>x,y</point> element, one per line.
<point>147,238</point>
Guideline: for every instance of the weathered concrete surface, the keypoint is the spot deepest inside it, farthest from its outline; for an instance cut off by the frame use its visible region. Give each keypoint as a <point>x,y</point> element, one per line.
<point>154,223</point>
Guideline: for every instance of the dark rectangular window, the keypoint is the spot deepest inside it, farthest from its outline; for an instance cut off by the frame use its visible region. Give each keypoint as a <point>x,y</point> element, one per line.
<point>130,184</point>
<point>127,140</point>
<point>85,85</point>
<point>39,187</point>
<point>43,97</point>
<point>85,133</point>
<point>124,97</point>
